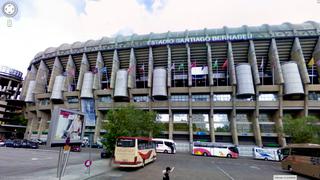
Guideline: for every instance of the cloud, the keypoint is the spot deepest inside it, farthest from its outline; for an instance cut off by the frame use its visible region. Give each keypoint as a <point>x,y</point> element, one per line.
<point>47,23</point>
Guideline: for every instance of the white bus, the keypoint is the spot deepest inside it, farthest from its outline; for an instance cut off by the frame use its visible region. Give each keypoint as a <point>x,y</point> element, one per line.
<point>134,151</point>
<point>215,149</point>
<point>165,145</point>
<point>266,153</point>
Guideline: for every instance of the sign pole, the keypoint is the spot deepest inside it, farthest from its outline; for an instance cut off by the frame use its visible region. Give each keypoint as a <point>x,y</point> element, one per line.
<point>59,162</point>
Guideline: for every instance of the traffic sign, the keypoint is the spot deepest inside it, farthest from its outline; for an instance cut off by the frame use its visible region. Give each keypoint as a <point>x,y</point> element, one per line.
<point>88,163</point>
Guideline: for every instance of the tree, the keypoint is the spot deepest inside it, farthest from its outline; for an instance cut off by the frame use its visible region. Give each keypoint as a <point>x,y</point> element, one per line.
<point>302,129</point>
<point>129,121</point>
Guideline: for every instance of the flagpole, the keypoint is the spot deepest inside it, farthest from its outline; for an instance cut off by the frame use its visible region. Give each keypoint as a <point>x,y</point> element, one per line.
<point>217,72</point>
<point>312,74</point>
<point>174,74</point>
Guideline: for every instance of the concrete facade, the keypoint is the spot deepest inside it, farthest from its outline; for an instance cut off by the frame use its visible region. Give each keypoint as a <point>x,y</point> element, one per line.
<point>202,102</point>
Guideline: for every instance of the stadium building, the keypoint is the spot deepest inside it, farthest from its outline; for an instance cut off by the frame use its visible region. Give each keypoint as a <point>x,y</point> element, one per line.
<point>222,85</point>
<point>12,123</point>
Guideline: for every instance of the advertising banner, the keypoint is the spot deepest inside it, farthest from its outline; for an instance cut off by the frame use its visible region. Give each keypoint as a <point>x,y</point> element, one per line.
<point>87,107</point>
<point>66,123</point>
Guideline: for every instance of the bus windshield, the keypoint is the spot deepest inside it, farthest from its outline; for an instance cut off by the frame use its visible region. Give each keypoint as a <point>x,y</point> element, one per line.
<point>125,143</point>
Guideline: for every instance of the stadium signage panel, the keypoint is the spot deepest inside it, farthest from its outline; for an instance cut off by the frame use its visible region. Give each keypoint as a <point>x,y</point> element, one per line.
<point>230,37</point>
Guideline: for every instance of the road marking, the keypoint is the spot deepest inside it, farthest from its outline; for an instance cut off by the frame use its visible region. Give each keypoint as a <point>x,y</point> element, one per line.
<point>254,167</point>
<point>34,159</point>
<point>225,173</point>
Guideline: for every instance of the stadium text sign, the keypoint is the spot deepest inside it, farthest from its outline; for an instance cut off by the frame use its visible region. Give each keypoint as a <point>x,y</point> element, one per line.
<point>230,37</point>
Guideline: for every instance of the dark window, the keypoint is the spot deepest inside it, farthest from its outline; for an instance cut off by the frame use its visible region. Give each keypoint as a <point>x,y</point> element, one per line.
<point>233,149</point>
<point>73,100</point>
<point>126,143</point>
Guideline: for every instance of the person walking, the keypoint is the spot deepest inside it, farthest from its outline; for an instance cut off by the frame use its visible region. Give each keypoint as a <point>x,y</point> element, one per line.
<point>166,173</point>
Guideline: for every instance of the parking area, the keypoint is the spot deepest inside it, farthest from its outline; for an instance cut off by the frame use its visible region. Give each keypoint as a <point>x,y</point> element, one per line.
<point>198,167</point>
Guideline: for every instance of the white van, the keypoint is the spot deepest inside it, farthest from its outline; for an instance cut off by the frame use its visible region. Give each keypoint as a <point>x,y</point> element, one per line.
<point>165,145</point>
<point>266,153</point>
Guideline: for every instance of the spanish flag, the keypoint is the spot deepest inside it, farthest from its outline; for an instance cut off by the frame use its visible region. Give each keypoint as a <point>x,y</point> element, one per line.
<point>311,62</point>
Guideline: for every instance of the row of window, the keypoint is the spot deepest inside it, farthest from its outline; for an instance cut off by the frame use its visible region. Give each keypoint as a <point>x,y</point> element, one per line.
<point>197,98</point>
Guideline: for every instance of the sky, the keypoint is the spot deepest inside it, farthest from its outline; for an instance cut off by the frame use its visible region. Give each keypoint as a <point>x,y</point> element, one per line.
<point>40,24</point>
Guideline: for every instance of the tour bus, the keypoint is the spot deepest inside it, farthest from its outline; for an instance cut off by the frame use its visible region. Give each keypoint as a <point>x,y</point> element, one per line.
<point>215,149</point>
<point>266,153</point>
<point>134,151</point>
<point>302,159</point>
<point>165,145</point>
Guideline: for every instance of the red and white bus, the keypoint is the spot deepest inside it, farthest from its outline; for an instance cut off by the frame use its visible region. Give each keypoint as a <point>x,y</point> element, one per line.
<point>134,151</point>
<point>215,149</point>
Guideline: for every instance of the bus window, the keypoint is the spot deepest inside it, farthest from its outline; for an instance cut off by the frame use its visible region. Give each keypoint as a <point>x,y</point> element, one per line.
<point>142,144</point>
<point>285,153</point>
<point>126,143</point>
<point>234,149</point>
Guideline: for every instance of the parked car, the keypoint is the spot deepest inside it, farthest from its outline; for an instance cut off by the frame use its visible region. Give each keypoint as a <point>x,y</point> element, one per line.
<point>2,143</point>
<point>17,143</point>
<point>75,148</point>
<point>105,153</point>
<point>97,145</point>
<point>39,141</point>
<point>8,143</point>
<point>29,144</point>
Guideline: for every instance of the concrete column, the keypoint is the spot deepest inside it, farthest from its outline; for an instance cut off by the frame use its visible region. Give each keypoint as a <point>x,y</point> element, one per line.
<point>132,71</point>
<point>231,68</point>
<point>316,55</point>
<point>70,75</point>
<point>150,68</point>
<point>253,62</point>
<point>189,65</point>
<point>44,117</point>
<point>57,70</point>
<point>97,75</point>
<point>275,63</point>
<point>211,120</point>
<point>115,68</point>
<point>15,95</point>
<point>278,118</point>
<point>297,55</point>
<point>31,75</point>
<point>306,100</point>
<point>41,78</point>
<point>83,69</point>
<point>209,61</point>
<point>98,125</point>
<point>169,76</point>
<point>233,121</point>
<point>256,127</point>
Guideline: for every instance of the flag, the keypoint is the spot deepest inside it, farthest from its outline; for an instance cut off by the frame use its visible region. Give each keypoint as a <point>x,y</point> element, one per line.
<point>181,66</point>
<point>225,64</point>
<point>104,70</point>
<point>173,66</point>
<point>130,68</point>
<point>215,65</point>
<point>261,65</point>
<point>95,70</point>
<point>71,72</point>
<point>311,62</point>
<point>193,64</point>
<point>141,69</point>
<point>203,66</point>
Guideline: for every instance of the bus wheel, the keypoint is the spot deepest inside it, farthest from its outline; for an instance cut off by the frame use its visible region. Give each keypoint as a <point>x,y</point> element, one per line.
<point>143,163</point>
<point>205,154</point>
<point>289,168</point>
<point>229,156</point>
<point>266,159</point>
<point>165,151</point>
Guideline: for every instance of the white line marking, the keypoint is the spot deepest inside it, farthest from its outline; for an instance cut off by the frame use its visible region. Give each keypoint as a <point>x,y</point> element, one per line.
<point>225,173</point>
<point>34,159</point>
<point>254,167</point>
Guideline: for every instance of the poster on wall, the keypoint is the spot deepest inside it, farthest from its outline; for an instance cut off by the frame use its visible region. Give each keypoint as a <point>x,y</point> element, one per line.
<point>66,124</point>
<point>88,109</point>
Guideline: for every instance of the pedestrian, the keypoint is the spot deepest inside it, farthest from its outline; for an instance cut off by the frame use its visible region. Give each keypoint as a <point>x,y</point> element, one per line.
<point>167,172</point>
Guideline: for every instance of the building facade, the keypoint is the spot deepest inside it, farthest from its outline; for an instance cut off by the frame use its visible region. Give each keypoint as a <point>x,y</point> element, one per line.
<point>11,107</point>
<point>222,85</point>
